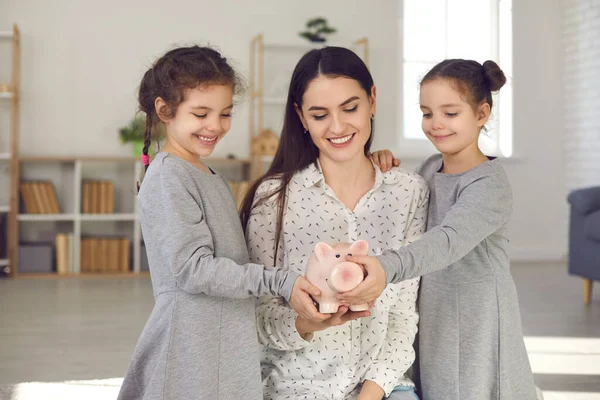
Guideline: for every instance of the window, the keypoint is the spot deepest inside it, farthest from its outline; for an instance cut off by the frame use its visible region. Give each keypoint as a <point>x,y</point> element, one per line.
<point>434,30</point>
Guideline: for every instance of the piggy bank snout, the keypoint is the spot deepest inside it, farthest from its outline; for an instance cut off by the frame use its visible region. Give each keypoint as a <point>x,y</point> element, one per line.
<point>345,276</point>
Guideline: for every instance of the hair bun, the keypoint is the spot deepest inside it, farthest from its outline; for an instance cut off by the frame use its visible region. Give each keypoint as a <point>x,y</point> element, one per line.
<point>493,75</point>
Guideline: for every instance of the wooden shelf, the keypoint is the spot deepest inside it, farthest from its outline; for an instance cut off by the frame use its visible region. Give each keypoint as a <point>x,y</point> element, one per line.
<point>108,217</point>
<point>85,159</point>
<point>88,275</point>
<point>67,159</point>
<point>293,46</point>
<point>46,217</point>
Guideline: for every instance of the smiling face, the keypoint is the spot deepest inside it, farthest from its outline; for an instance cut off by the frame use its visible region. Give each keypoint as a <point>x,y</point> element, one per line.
<point>449,121</point>
<point>337,112</point>
<point>201,120</point>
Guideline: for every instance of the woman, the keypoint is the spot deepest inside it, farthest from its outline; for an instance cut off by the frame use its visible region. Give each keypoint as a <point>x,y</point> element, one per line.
<point>322,187</point>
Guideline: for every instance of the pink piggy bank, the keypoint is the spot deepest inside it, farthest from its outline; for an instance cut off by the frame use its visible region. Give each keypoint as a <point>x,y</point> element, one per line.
<point>328,270</point>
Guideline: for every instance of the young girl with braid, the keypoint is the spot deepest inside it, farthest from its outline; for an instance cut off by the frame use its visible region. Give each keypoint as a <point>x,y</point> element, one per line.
<point>200,340</point>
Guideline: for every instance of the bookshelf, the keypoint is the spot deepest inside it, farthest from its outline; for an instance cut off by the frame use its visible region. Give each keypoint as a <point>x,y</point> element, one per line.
<point>76,220</point>
<point>80,222</point>
<point>9,92</point>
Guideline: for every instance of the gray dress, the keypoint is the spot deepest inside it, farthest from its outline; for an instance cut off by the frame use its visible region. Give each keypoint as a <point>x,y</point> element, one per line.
<point>470,338</point>
<point>200,340</point>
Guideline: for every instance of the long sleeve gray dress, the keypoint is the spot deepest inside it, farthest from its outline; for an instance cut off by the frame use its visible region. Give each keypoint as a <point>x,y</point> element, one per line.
<point>200,340</point>
<point>470,338</point>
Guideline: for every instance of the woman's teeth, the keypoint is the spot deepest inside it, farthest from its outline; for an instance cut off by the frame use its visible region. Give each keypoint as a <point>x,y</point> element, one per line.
<point>341,140</point>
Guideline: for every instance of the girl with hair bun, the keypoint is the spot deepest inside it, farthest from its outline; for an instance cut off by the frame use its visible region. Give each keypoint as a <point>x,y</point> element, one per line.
<point>470,344</point>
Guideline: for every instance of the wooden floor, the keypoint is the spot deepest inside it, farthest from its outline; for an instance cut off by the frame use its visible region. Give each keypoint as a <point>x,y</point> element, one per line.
<point>72,329</point>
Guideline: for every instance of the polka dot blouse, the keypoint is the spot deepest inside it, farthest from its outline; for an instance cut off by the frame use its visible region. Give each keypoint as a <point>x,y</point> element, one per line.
<point>335,362</point>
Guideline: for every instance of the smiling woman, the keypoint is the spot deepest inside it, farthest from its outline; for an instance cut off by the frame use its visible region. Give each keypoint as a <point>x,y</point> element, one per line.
<point>331,98</point>
<point>322,187</point>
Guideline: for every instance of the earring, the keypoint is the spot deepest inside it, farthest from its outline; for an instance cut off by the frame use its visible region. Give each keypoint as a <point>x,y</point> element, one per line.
<point>306,132</point>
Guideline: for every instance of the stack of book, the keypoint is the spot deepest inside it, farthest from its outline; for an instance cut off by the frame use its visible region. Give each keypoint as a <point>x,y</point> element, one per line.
<point>39,197</point>
<point>105,255</point>
<point>98,197</point>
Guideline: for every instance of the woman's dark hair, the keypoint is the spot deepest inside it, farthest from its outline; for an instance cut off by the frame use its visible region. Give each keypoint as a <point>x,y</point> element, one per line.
<point>296,149</point>
<point>474,81</point>
<point>180,69</point>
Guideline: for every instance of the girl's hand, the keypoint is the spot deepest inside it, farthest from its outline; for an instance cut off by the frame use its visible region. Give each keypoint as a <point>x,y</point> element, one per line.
<point>302,302</point>
<point>306,328</point>
<point>385,160</point>
<point>369,289</point>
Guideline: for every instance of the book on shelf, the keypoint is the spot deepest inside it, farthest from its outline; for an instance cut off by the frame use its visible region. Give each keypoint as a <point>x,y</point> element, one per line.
<point>39,197</point>
<point>64,254</point>
<point>98,197</point>
<point>105,255</point>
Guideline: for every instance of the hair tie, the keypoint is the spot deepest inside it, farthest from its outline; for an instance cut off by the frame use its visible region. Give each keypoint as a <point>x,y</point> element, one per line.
<point>145,159</point>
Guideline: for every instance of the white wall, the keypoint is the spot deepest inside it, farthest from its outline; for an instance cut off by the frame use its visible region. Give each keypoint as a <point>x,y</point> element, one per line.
<point>82,62</point>
<point>581,30</point>
<point>538,227</point>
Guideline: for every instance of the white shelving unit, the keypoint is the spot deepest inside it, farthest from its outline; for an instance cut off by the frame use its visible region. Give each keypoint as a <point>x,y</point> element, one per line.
<point>69,195</point>
<point>9,92</point>
<point>68,175</point>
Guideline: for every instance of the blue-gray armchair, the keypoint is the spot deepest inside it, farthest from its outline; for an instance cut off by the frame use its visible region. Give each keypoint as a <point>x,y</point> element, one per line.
<point>584,237</point>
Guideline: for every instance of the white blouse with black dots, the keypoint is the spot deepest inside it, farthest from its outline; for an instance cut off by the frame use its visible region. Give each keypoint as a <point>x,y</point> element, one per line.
<point>336,361</point>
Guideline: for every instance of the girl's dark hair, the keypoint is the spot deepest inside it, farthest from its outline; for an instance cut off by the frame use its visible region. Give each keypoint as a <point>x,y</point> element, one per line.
<point>474,81</point>
<point>296,149</point>
<point>180,69</point>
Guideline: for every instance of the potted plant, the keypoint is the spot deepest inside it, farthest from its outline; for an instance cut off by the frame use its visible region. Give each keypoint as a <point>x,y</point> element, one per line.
<point>316,30</point>
<point>134,133</point>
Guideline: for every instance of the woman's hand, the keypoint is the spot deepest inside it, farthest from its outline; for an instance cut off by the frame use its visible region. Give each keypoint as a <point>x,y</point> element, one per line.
<point>302,302</point>
<point>371,391</point>
<point>369,289</point>
<point>385,160</point>
<point>306,328</point>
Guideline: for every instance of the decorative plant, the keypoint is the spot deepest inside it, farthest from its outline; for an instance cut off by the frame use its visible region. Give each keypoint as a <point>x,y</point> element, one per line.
<point>317,30</point>
<point>134,132</point>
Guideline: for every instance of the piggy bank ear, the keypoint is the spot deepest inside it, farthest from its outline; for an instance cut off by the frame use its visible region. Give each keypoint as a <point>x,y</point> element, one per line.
<point>359,248</point>
<point>322,250</point>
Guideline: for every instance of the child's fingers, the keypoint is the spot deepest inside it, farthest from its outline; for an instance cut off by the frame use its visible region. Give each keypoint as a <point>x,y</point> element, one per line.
<point>336,318</point>
<point>308,287</point>
<point>396,162</point>
<point>368,290</point>
<point>375,158</point>
<point>362,260</point>
<point>309,312</point>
